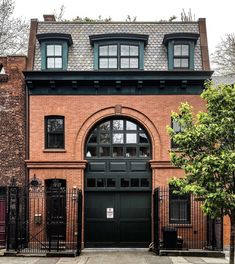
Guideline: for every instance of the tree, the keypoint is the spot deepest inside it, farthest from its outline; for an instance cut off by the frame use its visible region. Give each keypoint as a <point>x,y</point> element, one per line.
<point>187,17</point>
<point>206,152</point>
<point>13,31</point>
<point>224,56</point>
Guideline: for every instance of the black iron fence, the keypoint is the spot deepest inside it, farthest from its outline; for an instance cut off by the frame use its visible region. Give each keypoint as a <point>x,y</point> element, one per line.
<point>179,223</point>
<point>43,220</point>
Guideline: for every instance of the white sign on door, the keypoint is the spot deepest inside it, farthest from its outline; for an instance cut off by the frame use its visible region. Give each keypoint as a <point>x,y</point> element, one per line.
<point>109,212</point>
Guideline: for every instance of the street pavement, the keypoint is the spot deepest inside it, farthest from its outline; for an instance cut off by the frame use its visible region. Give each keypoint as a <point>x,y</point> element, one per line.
<point>113,257</point>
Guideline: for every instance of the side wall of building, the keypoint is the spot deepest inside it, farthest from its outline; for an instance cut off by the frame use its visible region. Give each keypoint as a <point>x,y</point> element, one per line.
<point>12,120</point>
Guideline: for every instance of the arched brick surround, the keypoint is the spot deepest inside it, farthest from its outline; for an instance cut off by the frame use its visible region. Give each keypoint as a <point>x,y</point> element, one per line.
<point>109,112</point>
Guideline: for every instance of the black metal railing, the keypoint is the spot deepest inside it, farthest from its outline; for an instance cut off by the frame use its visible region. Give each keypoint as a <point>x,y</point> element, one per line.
<point>43,220</point>
<point>179,223</point>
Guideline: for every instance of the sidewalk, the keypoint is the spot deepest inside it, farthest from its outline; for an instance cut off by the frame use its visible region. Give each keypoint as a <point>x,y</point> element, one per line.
<point>117,257</point>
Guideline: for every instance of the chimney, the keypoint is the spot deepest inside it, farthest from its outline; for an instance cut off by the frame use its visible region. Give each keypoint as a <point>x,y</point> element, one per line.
<point>49,18</point>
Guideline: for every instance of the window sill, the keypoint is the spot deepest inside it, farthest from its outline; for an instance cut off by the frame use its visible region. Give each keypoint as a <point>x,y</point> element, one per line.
<point>54,150</point>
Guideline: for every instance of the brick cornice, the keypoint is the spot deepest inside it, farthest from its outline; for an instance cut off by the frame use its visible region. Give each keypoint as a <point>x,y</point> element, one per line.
<point>161,164</point>
<point>32,164</point>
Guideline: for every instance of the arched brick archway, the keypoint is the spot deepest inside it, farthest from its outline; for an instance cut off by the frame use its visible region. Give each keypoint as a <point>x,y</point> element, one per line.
<point>117,111</point>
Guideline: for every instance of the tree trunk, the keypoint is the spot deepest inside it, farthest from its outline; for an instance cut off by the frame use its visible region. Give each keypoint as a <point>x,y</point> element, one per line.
<point>232,239</point>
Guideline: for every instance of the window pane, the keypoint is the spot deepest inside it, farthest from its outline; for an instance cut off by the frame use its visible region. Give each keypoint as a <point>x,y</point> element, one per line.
<point>50,50</point>
<point>91,182</point>
<point>103,50</point>
<point>125,50</point>
<point>58,63</point>
<point>125,63</point>
<point>112,63</point>
<point>135,183</point>
<point>176,126</point>
<point>113,50</point>
<point>130,126</point>
<point>111,183</point>
<point>144,182</point>
<point>55,125</point>
<point>93,138</point>
<point>55,141</point>
<point>131,152</point>
<point>100,182</point>
<point>177,50</point>
<point>105,126</point>
<point>176,63</point>
<point>104,138</point>
<point>58,50</point>
<point>144,152</point>
<point>124,182</point>
<point>50,63</point>
<point>117,151</point>
<point>185,50</point>
<point>117,138</point>
<point>184,63</point>
<point>134,50</point>
<point>117,124</point>
<point>103,63</point>
<point>104,151</point>
<point>91,152</point>
<point>131,138</point>
<point>143,138</point>
<point>134,63</point>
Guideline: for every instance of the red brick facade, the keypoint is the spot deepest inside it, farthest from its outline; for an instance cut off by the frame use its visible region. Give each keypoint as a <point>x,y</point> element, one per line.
<point>12,120</point>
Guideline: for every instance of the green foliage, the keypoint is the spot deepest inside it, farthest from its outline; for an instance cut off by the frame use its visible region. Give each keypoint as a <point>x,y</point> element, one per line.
<point>206,150</point>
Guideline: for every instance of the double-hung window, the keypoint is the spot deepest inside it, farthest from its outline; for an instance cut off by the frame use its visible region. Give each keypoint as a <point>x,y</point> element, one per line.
<point>179,208</point>
<point>181,56</point>
<point>54,132</point>
<point>54,56</point>
<point>118,56</point>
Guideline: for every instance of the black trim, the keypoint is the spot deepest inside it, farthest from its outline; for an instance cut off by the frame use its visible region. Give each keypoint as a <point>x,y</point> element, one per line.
<point>55,36</point>
<point>116,75</point>
<point>180,36</point>
<point>118,36</point>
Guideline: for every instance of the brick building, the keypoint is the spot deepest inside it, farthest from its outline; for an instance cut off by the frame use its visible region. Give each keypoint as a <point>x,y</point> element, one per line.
<point>100,97</point>
<point>12,128</point>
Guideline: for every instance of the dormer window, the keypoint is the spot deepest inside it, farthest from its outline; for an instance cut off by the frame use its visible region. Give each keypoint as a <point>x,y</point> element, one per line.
<point>180,50</point>
<point>119,51</point>
<point>54,50</point>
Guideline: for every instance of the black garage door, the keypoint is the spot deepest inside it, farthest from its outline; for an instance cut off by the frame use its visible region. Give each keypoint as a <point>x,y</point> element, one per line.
<point>118,186</point>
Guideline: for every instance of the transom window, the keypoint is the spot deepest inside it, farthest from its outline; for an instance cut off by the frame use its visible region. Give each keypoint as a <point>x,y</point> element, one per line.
<point>181,56</point>
<point>54,128</point>
<point>118,138</point>
<point>119,56</point>
<point>54,57</point>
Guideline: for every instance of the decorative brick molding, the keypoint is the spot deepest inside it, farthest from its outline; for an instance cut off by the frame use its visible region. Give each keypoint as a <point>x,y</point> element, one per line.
<point>110,112</point>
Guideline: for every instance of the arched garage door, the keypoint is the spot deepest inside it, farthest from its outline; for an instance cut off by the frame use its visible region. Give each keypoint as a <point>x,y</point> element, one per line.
<point>118,185</point>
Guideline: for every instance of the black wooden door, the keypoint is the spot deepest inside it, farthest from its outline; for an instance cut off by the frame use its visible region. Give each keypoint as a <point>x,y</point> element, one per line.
<point>118,219</point>
<point>118,185</point>
<point>56,209</point>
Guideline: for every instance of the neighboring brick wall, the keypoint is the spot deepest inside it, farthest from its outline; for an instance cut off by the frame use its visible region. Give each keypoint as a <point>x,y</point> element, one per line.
<point>12,120</point>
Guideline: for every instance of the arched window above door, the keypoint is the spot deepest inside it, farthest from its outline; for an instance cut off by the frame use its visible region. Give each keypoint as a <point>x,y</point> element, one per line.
<point>118,138</point>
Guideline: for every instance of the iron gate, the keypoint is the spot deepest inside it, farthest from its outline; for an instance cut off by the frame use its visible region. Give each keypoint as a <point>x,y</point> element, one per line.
<point>43,220</point>
<point>179,223</point>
